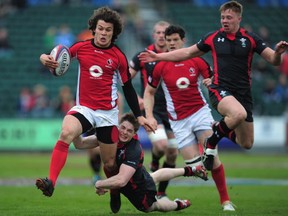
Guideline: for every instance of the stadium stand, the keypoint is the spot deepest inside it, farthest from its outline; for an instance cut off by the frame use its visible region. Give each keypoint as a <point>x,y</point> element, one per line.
<point>26,31</point>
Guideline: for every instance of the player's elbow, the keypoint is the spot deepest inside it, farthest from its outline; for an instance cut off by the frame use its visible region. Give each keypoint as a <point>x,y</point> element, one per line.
<point>77,143</point>
<point>78,147</point>
<point>121,182</point>
<point>148,96</point>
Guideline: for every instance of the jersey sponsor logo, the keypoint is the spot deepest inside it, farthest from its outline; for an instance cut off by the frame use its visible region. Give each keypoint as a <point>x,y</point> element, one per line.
<point>109,62</point>
<point>192,71</point>
<point>99,51</point>
<point>179,65</point>
<point>220,39</point>
<point>182,83</point>
<point>243,42</point>
<point>131,162</point>
<point>96,71</point>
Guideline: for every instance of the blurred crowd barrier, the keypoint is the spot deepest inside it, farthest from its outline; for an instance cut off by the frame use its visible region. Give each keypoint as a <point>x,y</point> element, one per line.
<point>38,135</point>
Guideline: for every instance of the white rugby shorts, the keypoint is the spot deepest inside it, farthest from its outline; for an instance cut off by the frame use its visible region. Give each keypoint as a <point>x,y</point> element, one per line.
<point>185,129</point>
<point>99,118</point>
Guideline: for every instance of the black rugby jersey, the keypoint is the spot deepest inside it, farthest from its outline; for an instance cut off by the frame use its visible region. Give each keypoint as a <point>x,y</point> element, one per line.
<point>232,56</point>
<point>146,69</point>
<point>132,155</point>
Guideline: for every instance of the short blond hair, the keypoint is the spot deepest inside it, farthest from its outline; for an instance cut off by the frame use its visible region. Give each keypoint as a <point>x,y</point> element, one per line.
<point>161,23</point>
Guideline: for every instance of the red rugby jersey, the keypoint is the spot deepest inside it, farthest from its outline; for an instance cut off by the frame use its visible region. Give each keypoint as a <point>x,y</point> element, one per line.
<point>100,69</point>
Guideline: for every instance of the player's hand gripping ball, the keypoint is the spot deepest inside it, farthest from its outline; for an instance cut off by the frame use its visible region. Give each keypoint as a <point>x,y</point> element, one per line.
<point>61,54</point>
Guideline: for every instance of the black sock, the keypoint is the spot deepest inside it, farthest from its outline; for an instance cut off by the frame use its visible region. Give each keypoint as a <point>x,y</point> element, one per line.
<point>155,158</point>
<point>232,136</point>
<point>95,163</point>
<point>179,205</point>
<point>219,131</point>
<point>188,171</point>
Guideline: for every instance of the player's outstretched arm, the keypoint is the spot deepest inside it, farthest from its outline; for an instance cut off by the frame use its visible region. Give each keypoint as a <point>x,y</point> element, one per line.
<point>149,104</point>
<point>132,100</point>
<point>117,181</point>
<point>88,142</point>
<point>175,55</point>
<point>207,82</point>
<point>274,56</point>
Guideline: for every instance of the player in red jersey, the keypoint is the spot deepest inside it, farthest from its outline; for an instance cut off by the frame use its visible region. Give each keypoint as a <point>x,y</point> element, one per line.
<point>232,49</point>
<point>101,65</point>
<point>133,180</point>
<point>189,114</point>
<point>163,140</point>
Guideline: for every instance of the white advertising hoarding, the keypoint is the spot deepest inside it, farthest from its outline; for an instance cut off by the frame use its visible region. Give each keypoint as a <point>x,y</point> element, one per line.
<point>270,131</point>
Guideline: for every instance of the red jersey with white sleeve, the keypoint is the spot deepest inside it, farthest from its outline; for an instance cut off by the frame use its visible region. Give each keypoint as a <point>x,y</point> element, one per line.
<point>181,85</point>
<point>100,69</point>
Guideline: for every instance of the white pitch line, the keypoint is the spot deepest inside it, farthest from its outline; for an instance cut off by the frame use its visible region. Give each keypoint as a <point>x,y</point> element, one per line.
<point>181,181</point>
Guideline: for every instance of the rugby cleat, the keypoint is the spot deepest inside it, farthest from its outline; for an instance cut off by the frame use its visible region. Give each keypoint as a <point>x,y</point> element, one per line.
<point>45,185</point>
<point>197,171</point>
<point>228,206</point>
<point>182,204</point>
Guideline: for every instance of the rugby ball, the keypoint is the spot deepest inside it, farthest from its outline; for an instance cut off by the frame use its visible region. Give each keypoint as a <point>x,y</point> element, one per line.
<point>61,54</point>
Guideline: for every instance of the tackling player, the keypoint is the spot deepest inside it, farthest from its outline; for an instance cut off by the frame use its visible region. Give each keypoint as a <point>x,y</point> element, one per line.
<point>132,180</point>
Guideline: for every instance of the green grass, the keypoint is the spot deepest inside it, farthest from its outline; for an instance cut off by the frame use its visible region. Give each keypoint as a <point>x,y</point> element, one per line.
<point>81,199</point>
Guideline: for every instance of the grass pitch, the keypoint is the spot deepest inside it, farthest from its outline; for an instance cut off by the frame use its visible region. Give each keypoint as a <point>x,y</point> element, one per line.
<point>257,185</point>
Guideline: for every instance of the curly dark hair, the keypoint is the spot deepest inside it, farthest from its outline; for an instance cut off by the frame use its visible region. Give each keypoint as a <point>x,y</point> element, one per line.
<point>108,15</point>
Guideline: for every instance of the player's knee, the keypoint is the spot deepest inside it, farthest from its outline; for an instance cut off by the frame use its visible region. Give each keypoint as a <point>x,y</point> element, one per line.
<point>77,146</point>
<point>159,147</point>
<point>216,163</point>
<point>67,135</point>
<point>247,144</point>
<point>110,165</point>
<point>172,143</point>
<point>109,162</point>
<point>159,140</point>
<point>171,158</point>
<point>240,116</point>
<point>171,155</point>
<point>194,161</point>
